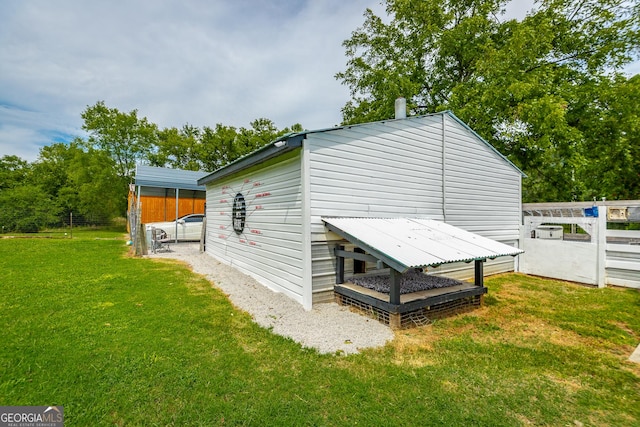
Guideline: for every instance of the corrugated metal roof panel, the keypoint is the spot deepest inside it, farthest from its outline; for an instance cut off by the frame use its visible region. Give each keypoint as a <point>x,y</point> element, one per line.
<point>148,176</point>
<point>404,243</point>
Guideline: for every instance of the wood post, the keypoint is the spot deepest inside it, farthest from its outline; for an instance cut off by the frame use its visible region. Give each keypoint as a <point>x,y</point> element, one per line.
<point>340,267</point>
<point>394,291</point>
<point>395,320</point>
<point>479,273</point>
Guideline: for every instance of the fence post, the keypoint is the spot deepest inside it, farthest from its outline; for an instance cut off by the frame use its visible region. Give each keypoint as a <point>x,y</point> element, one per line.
<point>601,224</point>
<point>71,225</point>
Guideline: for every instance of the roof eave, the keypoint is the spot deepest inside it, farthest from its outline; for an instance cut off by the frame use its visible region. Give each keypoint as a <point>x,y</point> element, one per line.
<point>395,264</point>
<point>269,151</point>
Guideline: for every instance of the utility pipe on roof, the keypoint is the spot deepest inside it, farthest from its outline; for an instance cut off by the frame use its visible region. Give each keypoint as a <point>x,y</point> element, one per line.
<point>401,108</point>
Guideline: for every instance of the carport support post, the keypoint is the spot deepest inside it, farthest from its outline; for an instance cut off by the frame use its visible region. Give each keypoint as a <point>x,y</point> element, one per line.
<point>479,273</point>
<point>177,211</point>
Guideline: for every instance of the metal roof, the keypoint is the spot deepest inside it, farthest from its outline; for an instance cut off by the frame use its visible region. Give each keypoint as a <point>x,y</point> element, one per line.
<point>148,176</point>
<point>404,243</point>
<point>276,148</point>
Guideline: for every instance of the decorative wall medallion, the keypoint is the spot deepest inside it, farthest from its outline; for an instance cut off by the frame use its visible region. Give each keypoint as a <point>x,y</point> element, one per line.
<point>242,207</point>
<point>239,213</point>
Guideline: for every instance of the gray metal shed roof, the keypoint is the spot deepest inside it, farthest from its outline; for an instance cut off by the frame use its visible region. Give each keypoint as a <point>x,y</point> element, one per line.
<point>149,176</point>
<point>404,243</point>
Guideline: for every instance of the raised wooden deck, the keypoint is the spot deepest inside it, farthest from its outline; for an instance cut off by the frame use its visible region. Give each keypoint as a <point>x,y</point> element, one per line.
<point>412,301</point>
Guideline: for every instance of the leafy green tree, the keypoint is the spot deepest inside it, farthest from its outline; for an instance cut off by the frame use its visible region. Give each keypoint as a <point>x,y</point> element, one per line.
<point>125,137</point>
<point>218,146</point>
<point>24,206</point>
<point>211,148</point>
<point>81,180</point>
<point>26,209</point>
<point>13,171</point>
<point>177,148</point>
<point>51,169</point>
<point>262,132</point>
<point>535,89</point>
<point>612,141</point>
<point>101,193</point>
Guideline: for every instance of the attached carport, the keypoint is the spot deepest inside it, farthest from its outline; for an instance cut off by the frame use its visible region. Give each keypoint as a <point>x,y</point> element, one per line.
<point>402,244</point>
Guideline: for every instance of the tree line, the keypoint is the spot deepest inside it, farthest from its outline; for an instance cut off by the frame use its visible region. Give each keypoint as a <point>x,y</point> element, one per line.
<point>546,91</point>
<point>90,177</point>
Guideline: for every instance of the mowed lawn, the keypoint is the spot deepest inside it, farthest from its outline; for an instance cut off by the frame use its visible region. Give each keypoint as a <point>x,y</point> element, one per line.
<point>119,340</point>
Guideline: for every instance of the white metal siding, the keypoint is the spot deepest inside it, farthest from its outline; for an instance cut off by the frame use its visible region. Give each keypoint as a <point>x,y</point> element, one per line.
<point>382,169</point>
<point>324,270</point>
<point>270,249</point>
<point>481,191</point>
<point>395,169</point>
<point>373,170</point>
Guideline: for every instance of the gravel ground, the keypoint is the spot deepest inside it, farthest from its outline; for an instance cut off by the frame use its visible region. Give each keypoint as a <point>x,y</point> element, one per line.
<point>412,281</point>
<point>329,328</point>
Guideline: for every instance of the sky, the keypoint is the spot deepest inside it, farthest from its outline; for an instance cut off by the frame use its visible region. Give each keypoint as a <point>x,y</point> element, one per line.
<point>200,62</point>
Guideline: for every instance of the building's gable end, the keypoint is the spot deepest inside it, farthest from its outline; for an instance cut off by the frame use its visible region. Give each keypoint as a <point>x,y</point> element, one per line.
<point>454,119</point>
<point>269,247</point>
<point>387,168</point>
<point>481,189</point>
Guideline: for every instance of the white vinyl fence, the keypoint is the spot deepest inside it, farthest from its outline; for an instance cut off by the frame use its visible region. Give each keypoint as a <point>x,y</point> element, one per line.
<point>596,256</point>
<point>623,259</point>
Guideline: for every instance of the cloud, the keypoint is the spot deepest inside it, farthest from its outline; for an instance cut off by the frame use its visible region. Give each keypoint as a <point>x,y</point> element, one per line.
<point>201,62</point>
<point>24,142</point>
<point>176,62</point>
<point>23,132</point>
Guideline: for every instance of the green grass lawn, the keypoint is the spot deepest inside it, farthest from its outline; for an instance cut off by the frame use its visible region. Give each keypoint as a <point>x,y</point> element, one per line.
<point>123,341</point>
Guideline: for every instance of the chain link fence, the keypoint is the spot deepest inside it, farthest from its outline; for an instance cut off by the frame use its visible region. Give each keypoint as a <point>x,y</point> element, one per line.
<point>66,226</point>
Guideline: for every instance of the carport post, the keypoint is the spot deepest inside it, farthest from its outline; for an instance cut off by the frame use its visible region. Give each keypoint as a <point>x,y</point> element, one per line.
<point>177,211</point>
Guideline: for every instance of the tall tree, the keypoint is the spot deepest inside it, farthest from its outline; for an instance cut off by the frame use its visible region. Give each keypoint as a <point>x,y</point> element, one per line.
<point>13,171</point>
<point>101,192</point>
<point>211,148</point>
<point>529,87</point>
<point>24,205</point>
<point>218,146</point>
<point>177,148</point>
<point>81,180</point>
<point>612,140</point>
<point>26,208</point>
<point>123,136</point>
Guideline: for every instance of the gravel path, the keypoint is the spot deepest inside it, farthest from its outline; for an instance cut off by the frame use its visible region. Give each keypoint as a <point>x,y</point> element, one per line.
<point>329,328</point>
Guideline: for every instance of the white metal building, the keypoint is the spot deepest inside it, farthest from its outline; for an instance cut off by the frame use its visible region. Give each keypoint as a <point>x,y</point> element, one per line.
<point>265,211</point>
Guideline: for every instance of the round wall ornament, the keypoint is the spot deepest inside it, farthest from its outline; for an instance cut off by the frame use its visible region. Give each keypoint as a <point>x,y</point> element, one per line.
<point>239,213</point>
